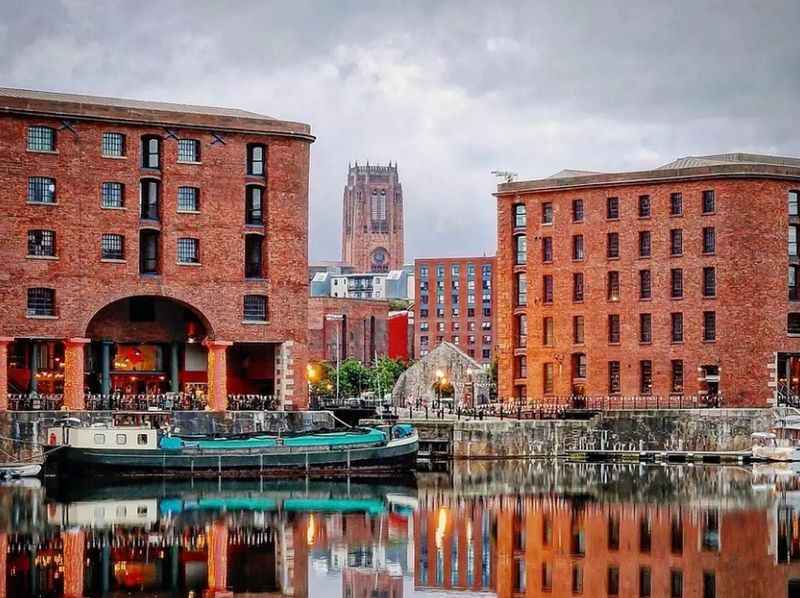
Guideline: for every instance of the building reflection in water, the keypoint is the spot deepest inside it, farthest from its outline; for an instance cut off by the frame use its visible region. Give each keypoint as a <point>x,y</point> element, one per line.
<point>706,532</point>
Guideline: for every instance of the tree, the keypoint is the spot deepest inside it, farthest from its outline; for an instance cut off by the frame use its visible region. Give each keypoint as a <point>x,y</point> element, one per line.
<point>354,378</point>
<point>384,374</point>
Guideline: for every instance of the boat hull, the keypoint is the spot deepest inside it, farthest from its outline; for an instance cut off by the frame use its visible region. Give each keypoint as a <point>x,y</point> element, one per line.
<point>397,454</point>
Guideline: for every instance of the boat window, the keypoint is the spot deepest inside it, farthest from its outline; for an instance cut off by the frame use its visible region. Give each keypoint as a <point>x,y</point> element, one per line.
<point>122,511</point>
<point>141,511</point>
<point>142,439</point>
<point>99,438</point>
<point>122,439</point>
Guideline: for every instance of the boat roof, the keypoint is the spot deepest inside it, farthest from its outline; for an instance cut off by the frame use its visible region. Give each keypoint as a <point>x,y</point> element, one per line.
<point>762,435</point>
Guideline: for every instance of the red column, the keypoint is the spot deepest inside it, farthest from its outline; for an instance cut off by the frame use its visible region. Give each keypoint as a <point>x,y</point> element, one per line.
<point>4,342</point>
<point>74,543</point>
<point>217,374</point>
<point>74,373</point>
<point>217,559</point>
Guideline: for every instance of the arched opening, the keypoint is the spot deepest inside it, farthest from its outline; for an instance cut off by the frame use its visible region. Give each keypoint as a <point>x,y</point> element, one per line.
<point>147,345</point>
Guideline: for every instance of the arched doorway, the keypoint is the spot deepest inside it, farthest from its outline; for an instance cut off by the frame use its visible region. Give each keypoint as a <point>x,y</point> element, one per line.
<point>147,345</point>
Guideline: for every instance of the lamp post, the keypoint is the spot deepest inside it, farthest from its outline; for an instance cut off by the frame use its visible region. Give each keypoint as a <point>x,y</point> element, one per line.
<point>336,318</point>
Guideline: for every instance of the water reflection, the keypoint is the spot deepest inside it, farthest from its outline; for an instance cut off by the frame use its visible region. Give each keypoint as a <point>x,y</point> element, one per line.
<point>504,529</point>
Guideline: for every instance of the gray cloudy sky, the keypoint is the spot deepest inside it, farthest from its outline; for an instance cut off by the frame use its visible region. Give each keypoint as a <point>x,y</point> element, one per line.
<point>450,90</point>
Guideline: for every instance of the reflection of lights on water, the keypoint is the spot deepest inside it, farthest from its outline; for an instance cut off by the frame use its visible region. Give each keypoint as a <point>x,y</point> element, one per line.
<point>310,531</point>
<point>441,526</point>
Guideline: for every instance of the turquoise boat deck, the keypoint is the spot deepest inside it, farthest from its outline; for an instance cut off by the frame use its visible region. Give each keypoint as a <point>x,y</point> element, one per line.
<point>369,437</point>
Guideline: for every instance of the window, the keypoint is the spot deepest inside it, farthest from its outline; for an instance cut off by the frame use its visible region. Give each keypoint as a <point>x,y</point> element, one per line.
<point>645,590</point>
<point>188,251</point>
<point>99,438</point>
<point>486,271</point>
<point>645,534</point>
<point>794,277</point>
<point>42,243</point>
<point>188,199</point>
<point>709,281</point>
<point>612,208</point>
<point>645,377</point>
<point>676,584</point>
<point>423,272</point>
<point>579,365</point>
<point>547,289</point>
<point>122,439</point>
<point>471,274</point>
<point>613,329</point>
<point>548,332</point>
<point>676,241</point>
<point>255,308</point>
<point>614,386</point>
<point>256,154</point>
<point>547,378</point>
<point>645,288</point>
<point>113,145</point>
<point>455,271</point>
<point>486,353</point>
<point>151,152</point>
<point>577,210</point>
<point>645,328</point>
<point>112,195</point>
<point>577,247</point>
<point>612,245</point>
<point>253,267</point>
<point>150,192</point>
<point>41,189</point>
<point>188,150</point>
<point>577,286</point>
<point>613,581</point>
<point>709,204</point>
<point>547,213</point>
<point>644,243</point>
<point>709,584</point>
<point>141,440</point>
<point>793,323</point>
<point>254,208</point>
<point>41,139</point>
<point>612,286</point>
<point>521,281</point>
<point>675,204</point>
<point>440,272</point>
<point>709,326</point>
<point>577,330</point>
<point>709,241</point>
<point>676,327</point>
<point>41,302</point>
<point>547,577</point>
<point>520,216</point>
<point>677,376</point>
<point>521,246</point>
<point>112,247</point>
<point>577,579</point>
<point>547,249</point>
<point>644,206</point>
<point>793,235</point>
<point>676,283</point>
<point>520,365</point>
<point>148,252</point>
<point>676,524</point>
<point>794,203</point>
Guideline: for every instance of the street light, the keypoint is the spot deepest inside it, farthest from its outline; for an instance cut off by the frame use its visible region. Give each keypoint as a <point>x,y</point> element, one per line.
<point>336,318</point>
<point>440,379</point>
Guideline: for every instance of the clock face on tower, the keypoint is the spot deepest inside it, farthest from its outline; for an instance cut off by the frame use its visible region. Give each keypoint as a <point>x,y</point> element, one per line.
<point>380,260</point>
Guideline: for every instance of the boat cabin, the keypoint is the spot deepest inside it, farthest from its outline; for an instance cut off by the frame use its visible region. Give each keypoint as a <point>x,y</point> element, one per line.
<point>101,436</point>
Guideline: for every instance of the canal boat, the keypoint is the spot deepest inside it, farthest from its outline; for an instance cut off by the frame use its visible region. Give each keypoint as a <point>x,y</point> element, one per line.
<point>144,448</point>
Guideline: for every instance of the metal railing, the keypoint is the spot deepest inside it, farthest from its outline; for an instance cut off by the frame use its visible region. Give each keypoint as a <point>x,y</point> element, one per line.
<point>173,401</point>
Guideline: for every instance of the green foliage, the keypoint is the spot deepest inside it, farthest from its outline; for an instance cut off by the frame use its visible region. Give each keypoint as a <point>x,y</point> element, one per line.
<point>355,378</point>
<point>385,374</point>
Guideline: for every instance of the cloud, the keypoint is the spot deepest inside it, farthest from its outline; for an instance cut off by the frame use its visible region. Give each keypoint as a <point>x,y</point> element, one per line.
<point>450,90</point>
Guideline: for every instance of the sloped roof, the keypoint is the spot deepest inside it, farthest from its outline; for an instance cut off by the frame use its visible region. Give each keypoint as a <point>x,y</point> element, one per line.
<point>568,172</point>
<point>734,158</point>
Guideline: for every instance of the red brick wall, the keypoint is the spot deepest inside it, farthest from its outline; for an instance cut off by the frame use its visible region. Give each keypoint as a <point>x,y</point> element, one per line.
<point>463,333</point>
<point>84,284</point>
<point>358,336</point>
<point>751,303</point>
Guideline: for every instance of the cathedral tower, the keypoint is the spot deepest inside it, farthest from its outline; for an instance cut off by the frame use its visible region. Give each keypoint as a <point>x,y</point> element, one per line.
<point>372,223</point>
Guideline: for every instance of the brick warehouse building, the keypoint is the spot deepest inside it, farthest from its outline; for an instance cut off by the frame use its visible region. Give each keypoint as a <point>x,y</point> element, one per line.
<point>680,280</point>
<point>359,326</point>
<point>372,218</point>
<point>151,247</point>
<point>455,303</point>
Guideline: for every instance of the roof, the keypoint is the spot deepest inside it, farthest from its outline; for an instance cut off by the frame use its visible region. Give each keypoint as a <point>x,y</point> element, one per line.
<point>87,107</point>
<point>734,165</point>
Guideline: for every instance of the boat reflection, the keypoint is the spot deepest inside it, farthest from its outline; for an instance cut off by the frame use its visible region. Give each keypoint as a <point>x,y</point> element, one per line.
<point>505,530</point>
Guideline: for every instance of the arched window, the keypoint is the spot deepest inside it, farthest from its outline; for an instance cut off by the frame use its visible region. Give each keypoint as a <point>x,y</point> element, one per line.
<point>254,205</point>
<point>256,159</point>
<point>151,151</point>
<point>150,195</point>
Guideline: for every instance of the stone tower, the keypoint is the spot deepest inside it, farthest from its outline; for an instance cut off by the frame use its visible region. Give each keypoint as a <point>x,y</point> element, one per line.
<point>372,223</point>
